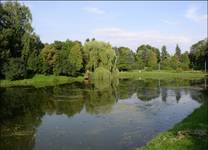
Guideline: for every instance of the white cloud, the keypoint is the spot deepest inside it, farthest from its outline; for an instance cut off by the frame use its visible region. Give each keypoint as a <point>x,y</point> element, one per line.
<point>94,10</point>
<point>121,37</point>
<point>170,22</point>
<point>192,14</point>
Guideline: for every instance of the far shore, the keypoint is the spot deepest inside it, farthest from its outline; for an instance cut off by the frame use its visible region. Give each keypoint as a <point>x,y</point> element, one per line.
<point>52,80</point>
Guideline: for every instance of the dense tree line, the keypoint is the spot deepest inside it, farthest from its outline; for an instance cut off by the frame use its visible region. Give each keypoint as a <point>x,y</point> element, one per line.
<point>22,54</point>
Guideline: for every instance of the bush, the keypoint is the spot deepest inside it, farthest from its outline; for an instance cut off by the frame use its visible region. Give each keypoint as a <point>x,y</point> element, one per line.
<point>15,69</point>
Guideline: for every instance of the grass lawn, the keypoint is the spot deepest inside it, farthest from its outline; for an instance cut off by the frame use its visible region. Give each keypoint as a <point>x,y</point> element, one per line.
<point>41,81</point>
<point>51,80</point>
<point>190,134</point>
<point>162,75</point>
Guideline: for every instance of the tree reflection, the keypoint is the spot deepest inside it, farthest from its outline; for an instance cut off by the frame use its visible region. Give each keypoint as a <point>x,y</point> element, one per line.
<point>22,108</point>
<point>21,111</point>
<point>164,94</point>
<point>148,90</point>
<point>178,95</point>
<point>126,89</point>
<point>100,99</point>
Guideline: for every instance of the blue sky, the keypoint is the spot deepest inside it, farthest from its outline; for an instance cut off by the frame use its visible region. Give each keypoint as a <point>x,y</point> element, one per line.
<point>122,23</point>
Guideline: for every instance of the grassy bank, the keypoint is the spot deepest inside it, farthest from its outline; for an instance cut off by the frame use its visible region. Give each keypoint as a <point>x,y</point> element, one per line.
<point>161,75</point>
<point>41,80</point>
<point>190,134</point>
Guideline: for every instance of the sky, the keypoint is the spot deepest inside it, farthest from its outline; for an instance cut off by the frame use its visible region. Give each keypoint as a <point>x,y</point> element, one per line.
<point>122,23</point>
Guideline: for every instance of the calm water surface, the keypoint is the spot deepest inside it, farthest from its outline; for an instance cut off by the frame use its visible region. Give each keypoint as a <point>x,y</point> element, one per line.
<point>80,116</point>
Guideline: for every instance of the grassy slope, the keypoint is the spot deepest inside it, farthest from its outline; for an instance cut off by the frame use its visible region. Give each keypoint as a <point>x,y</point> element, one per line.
<point>161,75</point>
<point>41,80</point>
<point>190,134</point>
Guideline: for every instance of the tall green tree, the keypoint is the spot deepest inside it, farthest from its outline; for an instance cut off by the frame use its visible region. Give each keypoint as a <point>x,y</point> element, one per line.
<point>139,64</point>
<point>152,61</point>
<point>199,54</point>
<point>75,57</point>
<point>48,58</point>
<point>174,62</point>
<point>18,27</point>
<point>185,61</point>
<point>178,52</point>
<point>17,39</point>
<point>144,52</point>
<point>99,54</point>
<point>125,59</point>
<point>164,53</point>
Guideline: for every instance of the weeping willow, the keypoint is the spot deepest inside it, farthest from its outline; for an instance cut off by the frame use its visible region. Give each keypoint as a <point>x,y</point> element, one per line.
<point>101,60</point>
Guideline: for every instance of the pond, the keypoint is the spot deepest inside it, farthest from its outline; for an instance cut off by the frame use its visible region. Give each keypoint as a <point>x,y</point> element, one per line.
<point>78,116</point>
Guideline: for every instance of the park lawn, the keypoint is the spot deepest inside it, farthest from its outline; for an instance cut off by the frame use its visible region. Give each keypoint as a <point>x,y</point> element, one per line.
<point>162,75</point>
<point>52,80</point>
<point>41,81</point>
<point>190,134</point>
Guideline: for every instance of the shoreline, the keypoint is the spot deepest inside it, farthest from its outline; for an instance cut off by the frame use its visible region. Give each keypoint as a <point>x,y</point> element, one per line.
<point>189,134</point>
<point>52,80</point>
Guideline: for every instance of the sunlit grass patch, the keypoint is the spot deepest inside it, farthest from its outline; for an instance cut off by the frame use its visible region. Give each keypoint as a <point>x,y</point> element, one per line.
<point>41,80</point>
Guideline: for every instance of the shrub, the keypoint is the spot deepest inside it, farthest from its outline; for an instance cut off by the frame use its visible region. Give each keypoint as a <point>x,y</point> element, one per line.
<point>15,69</point>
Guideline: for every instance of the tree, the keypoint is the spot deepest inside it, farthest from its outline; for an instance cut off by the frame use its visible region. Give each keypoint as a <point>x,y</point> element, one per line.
<point>99,54</point>
<point>144,52</point>
<point>174,62</point>
<point>139,64</point>
<point>185,62</point>
<point>166,63</point>
<point>178,52</point>
<point>125,59</point>
<point>48,57</point>
<point>15,69</point>
<point>18,27</point>
<point>17,39</point>
<point>165,58</point>
<point>152,61</point>
<point>75,57</point>
<point>199,54</point>
<point>164,53</point>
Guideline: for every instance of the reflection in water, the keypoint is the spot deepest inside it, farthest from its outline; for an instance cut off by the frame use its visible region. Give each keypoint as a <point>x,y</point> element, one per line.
<point>111,113</point>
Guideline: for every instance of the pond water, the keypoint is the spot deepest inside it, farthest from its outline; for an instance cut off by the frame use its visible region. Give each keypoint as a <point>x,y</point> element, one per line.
<point>98,116</point>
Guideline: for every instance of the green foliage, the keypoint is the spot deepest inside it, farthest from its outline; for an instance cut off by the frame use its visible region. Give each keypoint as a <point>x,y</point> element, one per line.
<point>69,59</point>
<point>75,57</point>
<point>18,41</point>
<point>178,52</point>
<point>145,53</point>
<point>185,61</point>
<point>48,57</point>
<point>99,54</point>
<point>164,53</point>
<point>198,54</point>
<point>102,73</point>
<point>139,64</point>
<point>152,61</point>
<point>174,62</point>
<point>17,38</point>
<point>15,69</point>
<point>125,59</point>
<point>16,25</point>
